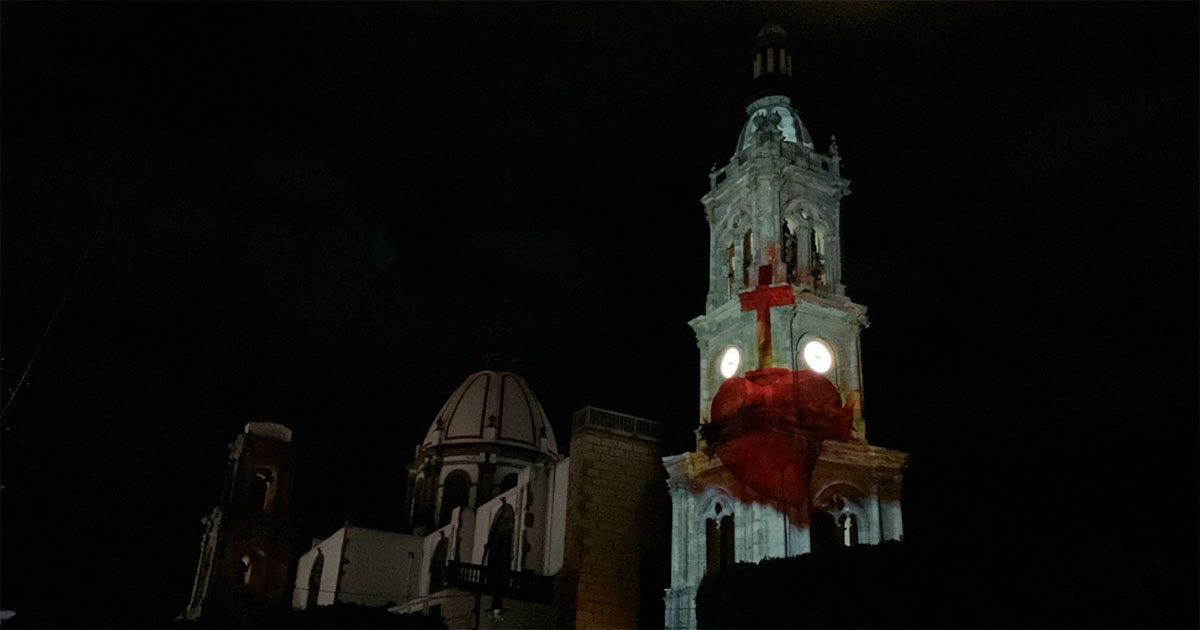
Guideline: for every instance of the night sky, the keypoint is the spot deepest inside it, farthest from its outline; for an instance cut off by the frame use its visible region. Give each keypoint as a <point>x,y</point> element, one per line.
<point>314,213</point>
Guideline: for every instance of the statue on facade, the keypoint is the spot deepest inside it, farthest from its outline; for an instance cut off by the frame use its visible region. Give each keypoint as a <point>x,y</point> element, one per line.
<point>789,250</point>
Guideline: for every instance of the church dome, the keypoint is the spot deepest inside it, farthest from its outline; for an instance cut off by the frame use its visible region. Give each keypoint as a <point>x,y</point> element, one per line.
<point>493,407</point>
<point>777,111</point>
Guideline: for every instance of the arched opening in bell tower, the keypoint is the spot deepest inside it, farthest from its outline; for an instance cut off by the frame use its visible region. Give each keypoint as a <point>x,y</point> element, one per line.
<point>747,259</point>
<point>823,532</point>
<point>262,490</point>
<point>849,530</point>
<point>719,540</point>
<point>730,266</point>
<point>249,565</point>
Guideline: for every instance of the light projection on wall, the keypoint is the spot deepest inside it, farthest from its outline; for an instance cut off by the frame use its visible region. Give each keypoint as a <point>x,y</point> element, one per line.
<point>784,119</point>
<point>731,359</point>
<point>768,426</point>
<point>817,356</point>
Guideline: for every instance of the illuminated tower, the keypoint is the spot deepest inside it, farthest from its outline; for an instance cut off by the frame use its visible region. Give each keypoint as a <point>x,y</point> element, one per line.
<point>788,470</point>
<point>777,202</point>
<point>248,542</point>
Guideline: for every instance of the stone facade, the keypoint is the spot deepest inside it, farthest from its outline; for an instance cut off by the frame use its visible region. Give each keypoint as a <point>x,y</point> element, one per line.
<point>617,522</point>
<point>249,540</point>
<point>774,218</point>
<point>850,479</point>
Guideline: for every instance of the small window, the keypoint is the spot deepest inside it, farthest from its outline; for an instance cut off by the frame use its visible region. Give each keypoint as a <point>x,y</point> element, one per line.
<point>508,482</point>
<point>246,568</point>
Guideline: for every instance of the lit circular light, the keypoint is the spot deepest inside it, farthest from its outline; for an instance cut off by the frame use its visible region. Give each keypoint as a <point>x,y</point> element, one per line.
<point>730,361</point>
<point>818,357</point>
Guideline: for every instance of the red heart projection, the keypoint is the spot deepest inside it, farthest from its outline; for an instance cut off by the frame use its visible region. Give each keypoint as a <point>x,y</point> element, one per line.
<point>767,428</point>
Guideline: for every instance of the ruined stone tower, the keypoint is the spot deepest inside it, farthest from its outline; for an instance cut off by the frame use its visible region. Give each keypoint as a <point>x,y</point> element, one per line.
<point>248,542</point>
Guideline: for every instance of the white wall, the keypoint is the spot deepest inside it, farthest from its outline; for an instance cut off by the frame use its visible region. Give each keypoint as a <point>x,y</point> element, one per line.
<point>556,523</point>
<point>331,549</point>
<point>541,493</point>
<point>378,566</point>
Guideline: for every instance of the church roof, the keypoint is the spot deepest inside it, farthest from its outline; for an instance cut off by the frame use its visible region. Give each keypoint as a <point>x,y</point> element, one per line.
<point>494,407</point>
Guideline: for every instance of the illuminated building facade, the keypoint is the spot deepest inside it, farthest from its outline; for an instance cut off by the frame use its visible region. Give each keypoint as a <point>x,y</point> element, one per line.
<point>782,465</point>
<point>503,530</point>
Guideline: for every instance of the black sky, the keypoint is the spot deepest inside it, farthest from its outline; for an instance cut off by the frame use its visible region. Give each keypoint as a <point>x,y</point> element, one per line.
<point>313,212</point>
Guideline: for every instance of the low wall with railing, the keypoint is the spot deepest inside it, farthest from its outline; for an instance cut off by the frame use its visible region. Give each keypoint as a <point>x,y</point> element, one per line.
<point>613,422</point>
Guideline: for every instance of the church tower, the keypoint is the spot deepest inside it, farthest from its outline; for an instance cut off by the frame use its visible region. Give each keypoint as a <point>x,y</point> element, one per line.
<point>777,203</point>
<point>247,548</point>
<point>782,465</point>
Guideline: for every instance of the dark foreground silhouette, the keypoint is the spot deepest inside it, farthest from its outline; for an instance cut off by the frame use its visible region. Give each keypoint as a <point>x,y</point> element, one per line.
<point>962,584</point>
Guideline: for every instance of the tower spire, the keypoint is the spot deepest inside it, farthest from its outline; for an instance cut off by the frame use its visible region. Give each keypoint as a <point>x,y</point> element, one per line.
<point>772,63</point>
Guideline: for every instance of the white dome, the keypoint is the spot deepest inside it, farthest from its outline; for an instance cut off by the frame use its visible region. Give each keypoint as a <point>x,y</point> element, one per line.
<point>789,121</point>
<point>493,407</point>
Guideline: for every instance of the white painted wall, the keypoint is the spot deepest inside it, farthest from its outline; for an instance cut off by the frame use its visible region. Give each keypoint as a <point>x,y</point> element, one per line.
<point>377,566</point>
<point>556,517</point>
<point>331,549</point>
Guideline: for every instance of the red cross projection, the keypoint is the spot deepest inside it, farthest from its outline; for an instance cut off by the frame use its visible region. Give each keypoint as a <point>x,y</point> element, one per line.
<point>762,299</point>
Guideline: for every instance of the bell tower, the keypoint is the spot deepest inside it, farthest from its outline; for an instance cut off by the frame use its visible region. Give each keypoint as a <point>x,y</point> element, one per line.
<point>782,466</point>
<point>248,543</point>
<point>774,221</point>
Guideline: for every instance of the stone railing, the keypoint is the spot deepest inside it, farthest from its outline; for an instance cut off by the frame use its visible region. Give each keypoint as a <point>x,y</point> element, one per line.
<point>616,423</point>
<point>515,584</point>
<point>799,155</point>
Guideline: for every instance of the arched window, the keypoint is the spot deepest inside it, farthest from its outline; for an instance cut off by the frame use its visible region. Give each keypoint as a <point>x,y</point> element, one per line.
<point>508,482</point>
<point>823,533</point>
<point>314,580</point>
<point>500,539</point>
<point>420,506</point>
<point>712,545</point>
<point>730,266</point>
<point>437,567</point>
<point>747,259</point>
<point>261,494</point>
<point>719,541</point>
<point>456,490</point>
<point>248,566</point>
<point>849,530</point>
